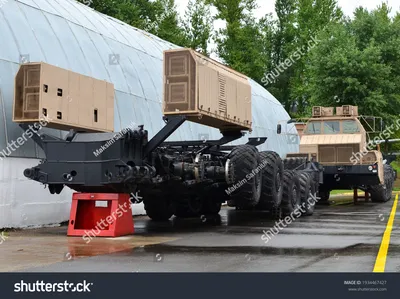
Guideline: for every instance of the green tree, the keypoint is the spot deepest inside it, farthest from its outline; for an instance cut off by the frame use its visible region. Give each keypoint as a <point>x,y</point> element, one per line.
<point>158,17</point>
<point>167,22</point>
<point>313,16</point>
<point>132,12</point>
<point>241,44</point>
<point>358,63</point>
<point>267,26</point>
<point>283,44</point>
<point>198,26</point>
<point>285,35</point>
<point>108,7</point>
<point>298,23</point>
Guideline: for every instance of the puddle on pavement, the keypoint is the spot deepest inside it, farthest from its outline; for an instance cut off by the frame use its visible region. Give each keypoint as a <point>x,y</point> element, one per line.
<point>78,248</point>
<point>35,248</point>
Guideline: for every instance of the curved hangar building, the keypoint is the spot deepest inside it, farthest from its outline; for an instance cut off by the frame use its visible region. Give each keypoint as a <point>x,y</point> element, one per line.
<point>71,35</point>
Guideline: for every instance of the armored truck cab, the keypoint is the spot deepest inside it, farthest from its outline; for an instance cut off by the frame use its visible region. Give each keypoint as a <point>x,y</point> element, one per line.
<point>338,143</point>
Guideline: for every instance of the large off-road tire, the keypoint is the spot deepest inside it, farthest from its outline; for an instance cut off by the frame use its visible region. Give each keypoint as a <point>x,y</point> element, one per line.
<point>275,213</point>
<point>211,206</point>
<point>243,162</point>
<point>272,180</point>
<point>189,207</point>
<point>308,194</point>
<point>294,163</point>
<point>383,193</point>
<point>213,201</point>
<point>324,195</point>
<point>158,209</point>
<point>182,211</point>
<point>291,192</point>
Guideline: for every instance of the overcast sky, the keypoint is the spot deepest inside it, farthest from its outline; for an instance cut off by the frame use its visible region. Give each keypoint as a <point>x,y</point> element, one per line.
<point>348,6</point>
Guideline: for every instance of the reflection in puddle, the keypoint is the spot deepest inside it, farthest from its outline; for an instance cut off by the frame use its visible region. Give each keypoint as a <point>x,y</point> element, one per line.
<point>78,248</point>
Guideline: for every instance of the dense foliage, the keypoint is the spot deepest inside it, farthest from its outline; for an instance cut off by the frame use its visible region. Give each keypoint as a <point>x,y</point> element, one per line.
<point>307,54</point>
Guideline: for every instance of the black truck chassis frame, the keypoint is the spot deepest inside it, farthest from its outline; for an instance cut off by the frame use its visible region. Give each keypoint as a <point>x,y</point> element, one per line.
<point>124,163</point>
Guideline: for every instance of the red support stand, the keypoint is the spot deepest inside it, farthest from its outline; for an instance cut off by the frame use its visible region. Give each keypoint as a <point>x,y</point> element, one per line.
<point>356,197</point>
<point>100,215</point>
<point>367,197</point>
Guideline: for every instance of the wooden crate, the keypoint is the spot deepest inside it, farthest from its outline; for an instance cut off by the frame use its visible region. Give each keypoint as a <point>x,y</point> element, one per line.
<point>206,91</point>
<point>66,100</point>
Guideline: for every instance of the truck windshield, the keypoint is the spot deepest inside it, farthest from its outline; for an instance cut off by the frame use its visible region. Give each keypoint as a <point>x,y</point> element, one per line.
<point>313,127</point>
<point>331,127</point>
<point>350,127</point>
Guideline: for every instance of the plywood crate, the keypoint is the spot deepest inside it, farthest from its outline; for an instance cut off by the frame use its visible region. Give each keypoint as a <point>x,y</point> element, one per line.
<point>206,91</point>
<point>64,99</point>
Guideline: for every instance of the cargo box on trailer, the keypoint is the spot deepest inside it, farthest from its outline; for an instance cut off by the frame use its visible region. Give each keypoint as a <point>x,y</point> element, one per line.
<point>206,91</point>
<point>64,98</point>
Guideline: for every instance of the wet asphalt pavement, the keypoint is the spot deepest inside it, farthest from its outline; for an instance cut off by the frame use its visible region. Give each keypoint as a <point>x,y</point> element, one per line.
<point>338,238</point>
